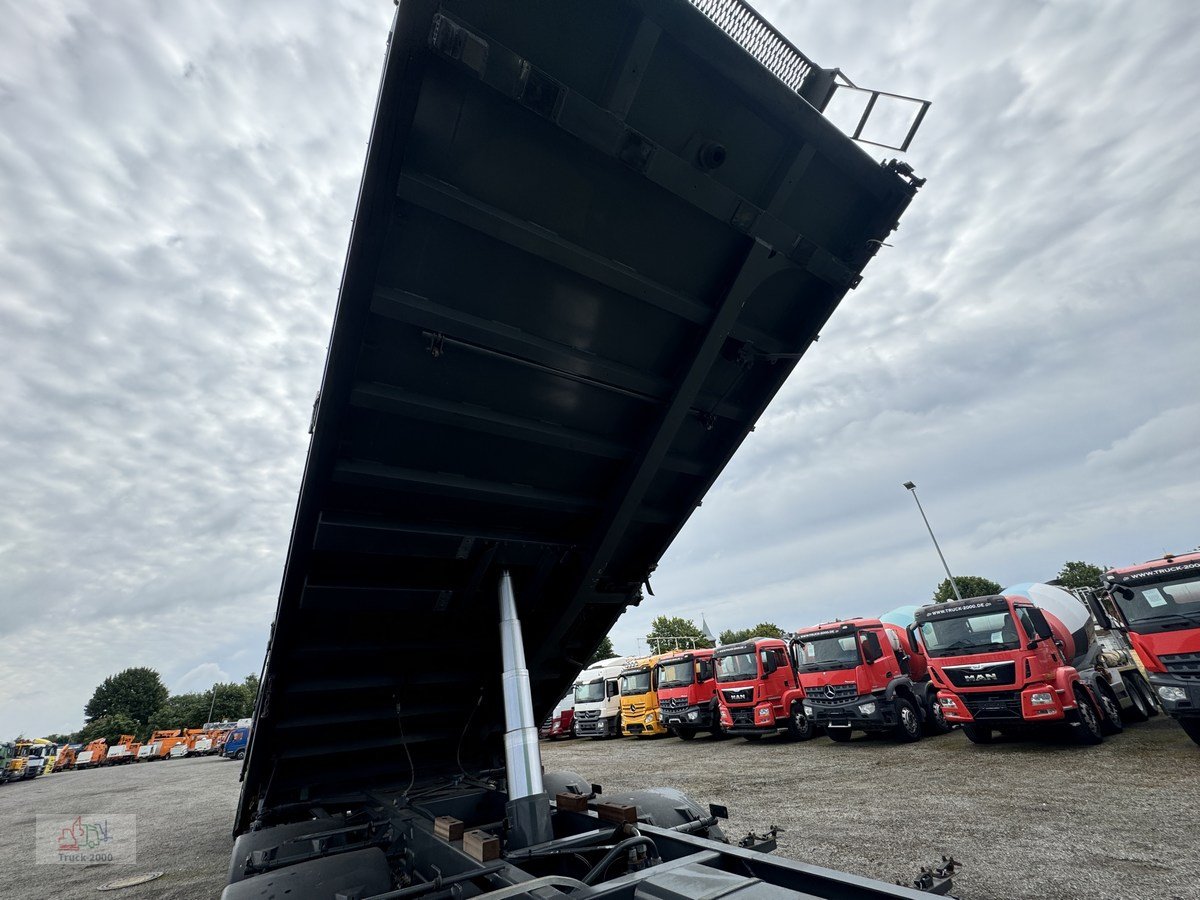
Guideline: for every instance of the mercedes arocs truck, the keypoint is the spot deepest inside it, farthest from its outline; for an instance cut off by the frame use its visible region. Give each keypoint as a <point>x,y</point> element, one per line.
<point>1025,659</point>
<point>865,675</point>
<point>639,699</point>
<point>687,693</point>
<point>592,241</point>
<point>1160,602</point>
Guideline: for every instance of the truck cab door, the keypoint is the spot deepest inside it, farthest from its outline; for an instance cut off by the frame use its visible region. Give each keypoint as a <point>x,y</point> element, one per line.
<point>1038,632</point>
<point>879,660</point>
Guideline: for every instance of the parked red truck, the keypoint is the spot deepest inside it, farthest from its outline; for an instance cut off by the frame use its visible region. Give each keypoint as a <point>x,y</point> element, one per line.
<point>1160,601</point>
<point>1005,663</point>
<point>687,693</point>
<point>759,691</point>
<point>866,675</point>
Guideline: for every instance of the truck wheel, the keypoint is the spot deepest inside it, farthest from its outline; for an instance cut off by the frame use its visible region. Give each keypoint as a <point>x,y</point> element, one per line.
<point>1138,708</point>
<point>684,734</point>
<point>840,735</point>
<point>1191,727</point>
<point>1089,731</point>
<point>935,721</point>
<point>908,722</point>
<point>1138,686</point>
<point>1111,723</point>
<point>978,734</point>
<point>241,754</point>
<point>799,726</point>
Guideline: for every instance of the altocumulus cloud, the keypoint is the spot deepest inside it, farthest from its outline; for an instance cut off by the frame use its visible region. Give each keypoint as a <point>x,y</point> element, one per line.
<point>176,188</point>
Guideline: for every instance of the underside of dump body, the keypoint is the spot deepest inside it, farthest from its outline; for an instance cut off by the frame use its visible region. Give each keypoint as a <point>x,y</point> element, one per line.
<point>592,241</point>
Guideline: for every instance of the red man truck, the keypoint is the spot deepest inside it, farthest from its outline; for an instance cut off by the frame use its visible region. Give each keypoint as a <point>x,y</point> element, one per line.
<point>1160,601</point>
<point>687,693</point>
<point>1005,663</point>
<point>759,691</point>
<point>866,675</point>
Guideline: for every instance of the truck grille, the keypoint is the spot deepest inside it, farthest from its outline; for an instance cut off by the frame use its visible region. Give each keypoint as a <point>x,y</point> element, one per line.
<point>981,674</point>
<point>1182,665</point>
<point>673,703</point>
<point>636,709</point>
<point>587,714</point>
<point>832,693</point>
<point>1001,705</point>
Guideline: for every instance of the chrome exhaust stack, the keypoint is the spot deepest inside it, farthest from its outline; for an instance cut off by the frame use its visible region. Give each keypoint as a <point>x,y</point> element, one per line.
<point>528,805</point>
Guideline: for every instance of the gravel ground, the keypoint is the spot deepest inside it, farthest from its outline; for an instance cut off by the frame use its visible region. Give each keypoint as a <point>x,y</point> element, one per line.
<point>184,811</point>
<point>1027,819</point>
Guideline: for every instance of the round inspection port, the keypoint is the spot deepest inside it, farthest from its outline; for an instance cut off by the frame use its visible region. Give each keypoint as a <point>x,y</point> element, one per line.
<point>130,881</point>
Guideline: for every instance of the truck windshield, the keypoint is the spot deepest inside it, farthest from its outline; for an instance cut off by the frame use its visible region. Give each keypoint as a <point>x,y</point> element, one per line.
<point>1167,599</point>
<point>635,682</point>
<point>590,692</point>
<point>676,674</point>
<point>962,635</point>
<point>823,654</point>
<point>737,667</point>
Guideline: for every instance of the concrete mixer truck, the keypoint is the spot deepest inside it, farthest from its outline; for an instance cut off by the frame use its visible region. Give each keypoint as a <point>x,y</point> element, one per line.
<point>1027,658</point>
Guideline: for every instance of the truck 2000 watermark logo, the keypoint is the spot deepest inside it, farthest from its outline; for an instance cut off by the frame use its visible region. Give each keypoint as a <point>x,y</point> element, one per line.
<point>86,839</point>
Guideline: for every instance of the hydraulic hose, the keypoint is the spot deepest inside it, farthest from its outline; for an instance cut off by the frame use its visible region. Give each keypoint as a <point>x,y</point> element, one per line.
<point>598,870</point>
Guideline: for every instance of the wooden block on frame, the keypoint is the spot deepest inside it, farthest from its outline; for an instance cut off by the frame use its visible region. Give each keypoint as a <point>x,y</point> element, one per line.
<point>448,828</point>
<point>481,846</point>
<point>570,802</point>
<point>619,813</point>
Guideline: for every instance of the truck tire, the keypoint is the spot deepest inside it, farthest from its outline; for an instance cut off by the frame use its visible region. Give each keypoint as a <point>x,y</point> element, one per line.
<point>908,721</point>
<point>684,733</point>
<point>840,735</point>
<point>1143,699</point>
<point>241,754</point>
<point>978,734</point>
<point>935,718</point>
<point>1088,730</point>
<point>1191,727</point>
<point>799,726</point>
<point>1111,723</point>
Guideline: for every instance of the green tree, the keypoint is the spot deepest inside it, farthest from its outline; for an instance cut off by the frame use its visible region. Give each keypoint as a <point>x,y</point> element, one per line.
<point>108,727</point>
<point>677,631</point>
<point>181,711</point>
<point>250,685</point>
<point>604,651</point>
<point>968,586</point>
<point>1079,574</point>
<point>59,738</point>
<point>136,693</point>
<point>762,629</point>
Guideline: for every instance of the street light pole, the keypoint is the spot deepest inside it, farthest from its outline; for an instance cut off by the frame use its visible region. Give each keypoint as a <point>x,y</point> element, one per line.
<point>953,584</point>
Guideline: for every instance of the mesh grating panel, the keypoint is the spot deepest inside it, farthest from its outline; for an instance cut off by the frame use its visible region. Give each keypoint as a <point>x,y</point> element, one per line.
<point>759,39</point>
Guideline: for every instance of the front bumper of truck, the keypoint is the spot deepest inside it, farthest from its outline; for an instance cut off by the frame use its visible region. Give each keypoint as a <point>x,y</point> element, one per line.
<point>1179,697</point>
<point>865,712</point>
<point>1032,705</point>
<point>699,717</point>
<point>602,727</point>
<point>748,719</point>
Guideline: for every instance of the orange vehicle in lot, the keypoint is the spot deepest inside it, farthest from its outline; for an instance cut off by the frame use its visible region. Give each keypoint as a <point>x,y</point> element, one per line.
<point>125,750</point>
<point>92,755</point>
<point>165,740</point>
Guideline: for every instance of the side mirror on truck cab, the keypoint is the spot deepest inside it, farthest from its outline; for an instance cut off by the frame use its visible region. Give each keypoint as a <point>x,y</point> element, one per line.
<point>871,649</point>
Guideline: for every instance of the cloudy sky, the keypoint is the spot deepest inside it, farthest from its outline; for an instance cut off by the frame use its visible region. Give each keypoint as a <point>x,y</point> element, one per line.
<point>176,188</point>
